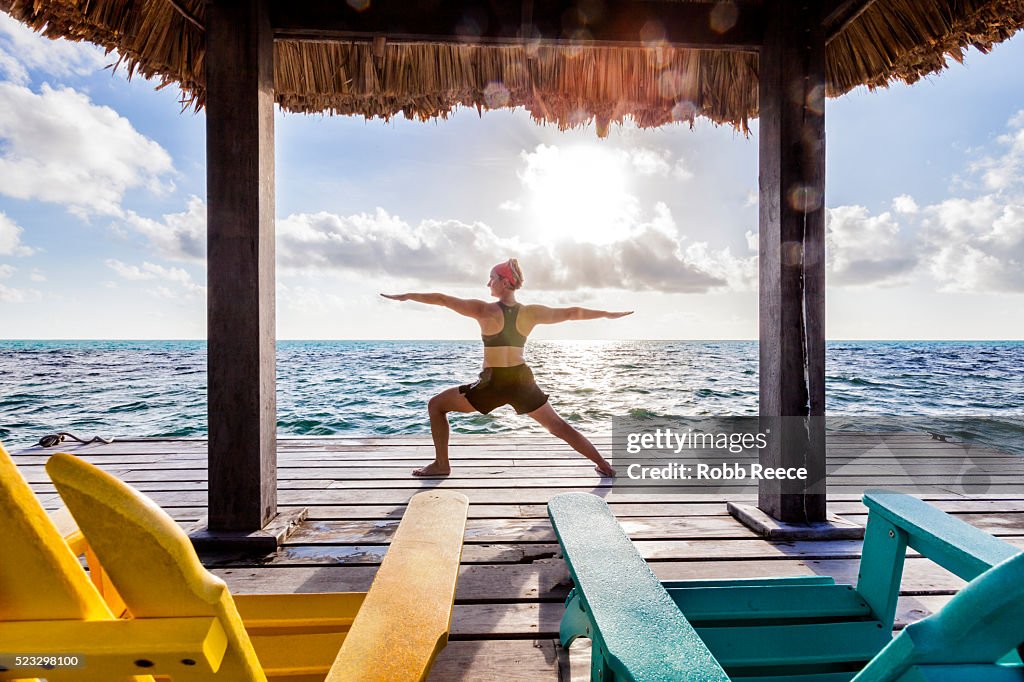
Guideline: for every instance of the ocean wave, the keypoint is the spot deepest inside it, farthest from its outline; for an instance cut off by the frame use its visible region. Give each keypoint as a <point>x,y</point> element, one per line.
<point>138,389</point>
<point>641,413</point>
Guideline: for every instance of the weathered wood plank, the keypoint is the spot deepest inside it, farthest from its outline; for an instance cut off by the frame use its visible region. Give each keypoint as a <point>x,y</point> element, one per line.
<point>186,514</point>
<point>382,496</point>
<point>496,444</point>
<point>498,660</point>
<point>548,580</point>
<point>637,528</point>
<point>626,509</point>
<point>523,553</point>
<point>928,471</point>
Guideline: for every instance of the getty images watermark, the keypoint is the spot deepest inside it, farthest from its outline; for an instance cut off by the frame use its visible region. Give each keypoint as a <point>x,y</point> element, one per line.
<point>675,442</point>
<point>845,455</point>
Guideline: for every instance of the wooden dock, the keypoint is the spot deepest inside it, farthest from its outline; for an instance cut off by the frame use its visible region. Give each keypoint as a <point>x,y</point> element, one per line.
<point>512,583</point>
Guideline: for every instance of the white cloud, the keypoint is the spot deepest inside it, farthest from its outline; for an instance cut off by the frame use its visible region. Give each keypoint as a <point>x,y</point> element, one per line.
<point>177,277</point>
<point>752,242</point>
<point>966,244</point>
<point>681,171</point>
<point>22,49</point>
<point>904,203</point>
<point>963,268</point>
<point>57,146</point>
<point>454,253</point>
<point>450,252</point>
<point>1004,171</point>
<point>977,245</point>
<point>6,270</point>
<point>646,161</point>
<point>863,249</point>
<point>959,219</point>
<point>10,238</point>
<point>447,250</point>
<point>739,273</point>
<point>298,297</point>
<point>37,275</point>
<point>510,205</point>
<point>178,236</point>
<point>9,295</point>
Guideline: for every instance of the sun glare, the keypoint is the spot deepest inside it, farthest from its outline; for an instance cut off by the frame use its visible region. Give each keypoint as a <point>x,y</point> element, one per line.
<point>579,193</point>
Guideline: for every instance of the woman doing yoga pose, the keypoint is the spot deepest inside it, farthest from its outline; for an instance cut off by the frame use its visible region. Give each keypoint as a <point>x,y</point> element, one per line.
<point>505,379</point>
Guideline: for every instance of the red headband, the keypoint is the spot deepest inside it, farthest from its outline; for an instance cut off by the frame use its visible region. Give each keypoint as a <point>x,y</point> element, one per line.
<point>505,271</point>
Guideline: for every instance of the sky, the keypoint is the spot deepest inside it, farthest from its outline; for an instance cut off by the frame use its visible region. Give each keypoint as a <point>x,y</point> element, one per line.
<point>102,212</point>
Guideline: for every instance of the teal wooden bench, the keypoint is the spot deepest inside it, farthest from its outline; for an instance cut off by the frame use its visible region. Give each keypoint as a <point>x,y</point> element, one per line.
<point>804,629</point>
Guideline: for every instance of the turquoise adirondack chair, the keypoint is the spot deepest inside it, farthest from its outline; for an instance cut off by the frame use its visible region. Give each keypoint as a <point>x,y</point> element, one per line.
<point>801,629</point>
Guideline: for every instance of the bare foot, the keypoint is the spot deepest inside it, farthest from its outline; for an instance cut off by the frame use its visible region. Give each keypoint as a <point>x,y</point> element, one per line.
<point>433,469</point>
<point>607,471</point>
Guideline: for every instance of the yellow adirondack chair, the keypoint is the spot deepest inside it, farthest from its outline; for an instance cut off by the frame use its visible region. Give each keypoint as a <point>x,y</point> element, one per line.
<point>181,622</point>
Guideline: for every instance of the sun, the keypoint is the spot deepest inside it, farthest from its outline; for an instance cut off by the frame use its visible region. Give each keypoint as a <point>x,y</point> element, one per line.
<point>580,193</point>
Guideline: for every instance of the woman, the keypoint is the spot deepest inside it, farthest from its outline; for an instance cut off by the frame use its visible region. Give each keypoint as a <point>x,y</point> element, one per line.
<point>505,379</point>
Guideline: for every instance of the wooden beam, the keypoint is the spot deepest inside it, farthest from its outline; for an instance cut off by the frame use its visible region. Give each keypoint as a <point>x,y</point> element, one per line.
<point>792,254</point>
<point>724,25</point>
<point>188,16</point>
<point>841,14</point>
<point>240,266</point>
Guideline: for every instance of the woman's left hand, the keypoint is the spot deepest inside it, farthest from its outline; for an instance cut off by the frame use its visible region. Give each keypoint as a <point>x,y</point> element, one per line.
<point>396,297</point>
<point>615,316</point>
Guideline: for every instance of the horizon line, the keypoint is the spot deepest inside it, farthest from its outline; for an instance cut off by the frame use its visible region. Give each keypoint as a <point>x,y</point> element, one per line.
<point>476,339</point>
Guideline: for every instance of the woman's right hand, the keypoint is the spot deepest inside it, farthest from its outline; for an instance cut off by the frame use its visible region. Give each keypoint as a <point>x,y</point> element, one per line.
<point>396,297</point>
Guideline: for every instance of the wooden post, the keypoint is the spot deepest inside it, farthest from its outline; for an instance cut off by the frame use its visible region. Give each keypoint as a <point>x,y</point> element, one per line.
<point>792,253</point>
<point>240,266</point>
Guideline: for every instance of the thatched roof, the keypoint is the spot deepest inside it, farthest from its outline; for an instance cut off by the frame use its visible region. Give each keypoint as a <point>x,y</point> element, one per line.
<point>892,40</point>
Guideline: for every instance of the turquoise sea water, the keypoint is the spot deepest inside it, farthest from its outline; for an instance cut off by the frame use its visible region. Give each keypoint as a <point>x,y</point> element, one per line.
<point>158,388</point>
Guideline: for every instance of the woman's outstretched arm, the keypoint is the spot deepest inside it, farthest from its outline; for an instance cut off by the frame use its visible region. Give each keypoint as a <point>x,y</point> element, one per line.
<point>544,315</point>
<point>470,307</point>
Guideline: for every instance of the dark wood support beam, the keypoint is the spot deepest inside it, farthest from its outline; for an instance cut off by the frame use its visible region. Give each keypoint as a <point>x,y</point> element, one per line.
<point>240,266</point>
<point>842,13</point>
<point>722,25</point>
<point>792,254</point>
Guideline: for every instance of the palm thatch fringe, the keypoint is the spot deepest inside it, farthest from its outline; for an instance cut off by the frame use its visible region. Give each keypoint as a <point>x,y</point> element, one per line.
<point>567,86</point>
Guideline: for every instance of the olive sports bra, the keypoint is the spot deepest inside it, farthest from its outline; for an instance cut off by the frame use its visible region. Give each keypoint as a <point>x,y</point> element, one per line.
<point>509,335</point>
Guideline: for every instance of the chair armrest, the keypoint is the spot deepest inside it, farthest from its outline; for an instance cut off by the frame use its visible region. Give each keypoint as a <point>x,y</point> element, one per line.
<point>957,546</point>
<point>978,626</point>
<point>897,521</point>
<point>638,632</point>
<point>404,620</point>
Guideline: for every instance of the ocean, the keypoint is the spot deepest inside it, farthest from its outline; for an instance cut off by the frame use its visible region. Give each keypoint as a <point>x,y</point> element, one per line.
<point>125,389</point>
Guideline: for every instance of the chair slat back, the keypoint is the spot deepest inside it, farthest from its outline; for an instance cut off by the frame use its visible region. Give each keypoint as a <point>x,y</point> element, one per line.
<point>40,579</point>
<point>149,558</point>
<point>979,625</point>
